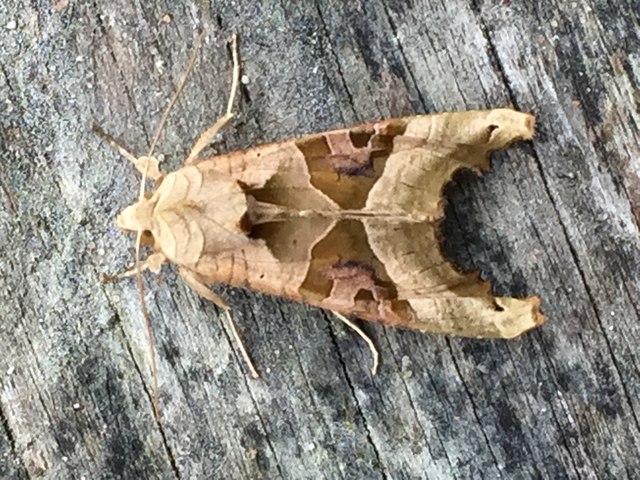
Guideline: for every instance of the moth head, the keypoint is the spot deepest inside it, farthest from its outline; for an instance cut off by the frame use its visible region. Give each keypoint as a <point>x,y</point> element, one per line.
<point>137,217</point>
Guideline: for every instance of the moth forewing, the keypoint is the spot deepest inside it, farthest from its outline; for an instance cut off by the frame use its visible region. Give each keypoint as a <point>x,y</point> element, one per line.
<point>384,265</point>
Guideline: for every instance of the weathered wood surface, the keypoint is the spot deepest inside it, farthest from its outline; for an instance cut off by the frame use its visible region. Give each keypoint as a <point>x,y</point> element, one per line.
<point>557,216</point>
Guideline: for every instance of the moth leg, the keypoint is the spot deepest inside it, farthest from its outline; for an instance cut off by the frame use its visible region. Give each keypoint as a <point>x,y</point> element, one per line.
<point>153,263</point>
<point>150,164</point>
<point>365,337</point>
<point>207,137</point>
<point>205,292</point>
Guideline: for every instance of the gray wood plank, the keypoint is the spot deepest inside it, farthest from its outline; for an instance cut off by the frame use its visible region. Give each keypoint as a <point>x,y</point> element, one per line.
<point>557,217</point>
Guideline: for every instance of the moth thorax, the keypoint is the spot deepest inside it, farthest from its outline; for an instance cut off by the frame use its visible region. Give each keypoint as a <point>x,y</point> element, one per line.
<point>136,217</point>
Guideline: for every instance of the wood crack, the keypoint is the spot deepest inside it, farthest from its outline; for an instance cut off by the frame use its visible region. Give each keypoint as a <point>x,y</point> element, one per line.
<point>474,408</point>
<point>127,345</point>
<point>409,394</point>
<point>123,79</point>
<point>360,410</point>
<point>403,54</point>
<point>255,404</point>
<point>10,434</point>
<point>336,60</point>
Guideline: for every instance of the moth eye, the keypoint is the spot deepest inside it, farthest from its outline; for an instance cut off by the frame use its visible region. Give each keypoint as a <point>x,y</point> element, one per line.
<point>147,238</point>
<point>245,224</point>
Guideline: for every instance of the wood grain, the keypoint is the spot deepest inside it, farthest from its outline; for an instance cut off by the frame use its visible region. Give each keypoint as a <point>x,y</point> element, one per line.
<point>557,216</point>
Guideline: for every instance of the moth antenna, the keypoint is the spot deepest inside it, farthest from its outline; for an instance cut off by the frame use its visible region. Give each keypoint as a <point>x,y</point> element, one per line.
<point>137,271</point>
<point>147,321</point>
<point>245,354</point>
<point>113,143</point>
<point>174,99</point>
<point>365,337</point>
<point>236,73</point>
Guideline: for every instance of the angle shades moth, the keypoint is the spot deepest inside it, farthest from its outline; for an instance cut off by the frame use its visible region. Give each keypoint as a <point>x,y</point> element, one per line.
<point>345,220</point>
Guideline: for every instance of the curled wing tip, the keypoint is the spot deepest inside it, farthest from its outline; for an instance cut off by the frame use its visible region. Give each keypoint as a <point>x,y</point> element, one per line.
<point>539,317</point>
<point>521,315</point>
<point>533,303</point>
<point>512,126</point>
<point>530,124</point>
<point>524,126</point>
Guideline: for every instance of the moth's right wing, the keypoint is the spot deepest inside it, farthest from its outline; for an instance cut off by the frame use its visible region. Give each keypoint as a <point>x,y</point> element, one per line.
<point>390,273</point>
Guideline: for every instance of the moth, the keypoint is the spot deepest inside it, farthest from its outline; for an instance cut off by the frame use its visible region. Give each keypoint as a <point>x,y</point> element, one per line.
<point>346,220</point>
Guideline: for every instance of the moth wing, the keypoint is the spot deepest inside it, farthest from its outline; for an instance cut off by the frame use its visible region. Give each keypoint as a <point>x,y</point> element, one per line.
<point>374,250</point>
<point>357,168</point>
<point>394,274</point>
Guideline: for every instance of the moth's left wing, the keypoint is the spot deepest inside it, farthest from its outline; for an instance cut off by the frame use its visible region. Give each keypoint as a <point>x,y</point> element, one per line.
<point>391,167</point>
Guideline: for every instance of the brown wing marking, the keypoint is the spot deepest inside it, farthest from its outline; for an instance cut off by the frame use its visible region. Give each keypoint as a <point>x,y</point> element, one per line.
<point>386,267</point>
<point>345,275</point>
<point>345,164</point>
